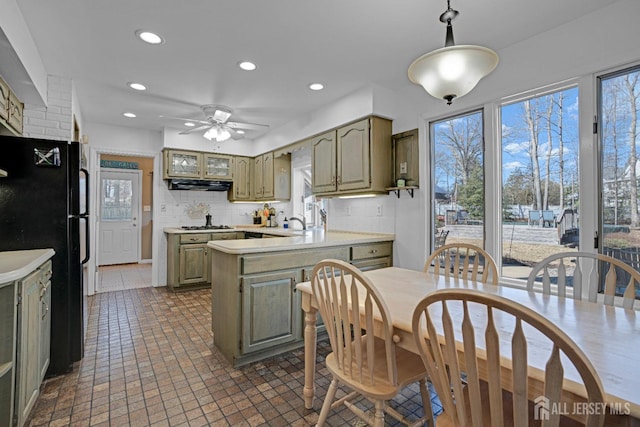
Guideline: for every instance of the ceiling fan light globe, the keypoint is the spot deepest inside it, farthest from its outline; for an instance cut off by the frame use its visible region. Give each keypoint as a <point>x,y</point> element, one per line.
<point>453,70</point>
<point>223,135</point>
<point>212,133</point>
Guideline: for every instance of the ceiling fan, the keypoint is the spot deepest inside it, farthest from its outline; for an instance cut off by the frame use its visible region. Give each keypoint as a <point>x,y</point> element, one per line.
<point>216,124</point>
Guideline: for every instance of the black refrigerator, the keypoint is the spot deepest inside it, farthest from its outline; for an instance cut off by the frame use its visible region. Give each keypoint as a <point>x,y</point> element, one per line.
<point>43,204</point>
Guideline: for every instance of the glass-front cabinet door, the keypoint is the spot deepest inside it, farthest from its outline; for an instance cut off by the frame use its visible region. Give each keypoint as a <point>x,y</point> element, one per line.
<point>182,164</point>
<point>218,166</point>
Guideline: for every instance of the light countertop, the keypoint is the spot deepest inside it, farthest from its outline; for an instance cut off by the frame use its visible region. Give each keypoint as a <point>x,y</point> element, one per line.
<point>17,264</point>
<point>296,239</point>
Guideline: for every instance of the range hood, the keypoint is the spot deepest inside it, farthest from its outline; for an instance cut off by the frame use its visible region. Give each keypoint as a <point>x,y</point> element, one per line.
<point>199,184</point>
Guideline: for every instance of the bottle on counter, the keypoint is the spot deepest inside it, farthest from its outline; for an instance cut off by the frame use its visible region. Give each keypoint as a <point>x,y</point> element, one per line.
<point>285,223</point>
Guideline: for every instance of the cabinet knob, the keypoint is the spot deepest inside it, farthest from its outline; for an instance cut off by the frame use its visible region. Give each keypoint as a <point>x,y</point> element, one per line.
<point>46,309</point>
<point>373,251</point>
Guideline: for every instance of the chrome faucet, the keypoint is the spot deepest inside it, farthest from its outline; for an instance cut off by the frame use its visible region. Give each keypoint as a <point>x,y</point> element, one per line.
<point>302,221</point>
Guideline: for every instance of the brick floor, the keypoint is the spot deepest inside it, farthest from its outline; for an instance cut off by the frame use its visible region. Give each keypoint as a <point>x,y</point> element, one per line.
<point>150,361</point>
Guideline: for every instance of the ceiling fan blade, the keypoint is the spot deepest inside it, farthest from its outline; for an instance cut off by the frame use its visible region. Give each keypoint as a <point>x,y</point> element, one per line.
<point>235,135</point>
<point>247,126</point>
<point>186,120</point>
<point>195,129</point>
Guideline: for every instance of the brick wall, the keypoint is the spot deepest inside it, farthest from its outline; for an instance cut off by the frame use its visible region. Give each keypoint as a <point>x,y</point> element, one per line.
<point>55,120</point>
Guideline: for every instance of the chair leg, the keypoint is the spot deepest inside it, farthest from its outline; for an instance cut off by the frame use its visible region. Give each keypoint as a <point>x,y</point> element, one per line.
<point>379,416</point>
<point>326,405</point>
<point>426,404</point>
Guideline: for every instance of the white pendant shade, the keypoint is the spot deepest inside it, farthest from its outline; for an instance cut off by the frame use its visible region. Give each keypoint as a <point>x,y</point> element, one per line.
<point>453,71</point>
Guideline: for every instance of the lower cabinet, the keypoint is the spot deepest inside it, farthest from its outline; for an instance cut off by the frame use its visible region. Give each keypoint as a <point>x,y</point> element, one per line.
<point>189,260</point>
<point>256,310</point>
<point>271,310</point>
<point>372,256</point>
<point>33,338</point>
<point>28,368</point>
<point>8,318</point>
<point>45,319</point>
<point>194,264</point>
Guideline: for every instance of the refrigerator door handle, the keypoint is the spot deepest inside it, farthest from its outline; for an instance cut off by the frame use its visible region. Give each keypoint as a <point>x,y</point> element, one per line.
<point>86,191</point>
<point>87,248</point>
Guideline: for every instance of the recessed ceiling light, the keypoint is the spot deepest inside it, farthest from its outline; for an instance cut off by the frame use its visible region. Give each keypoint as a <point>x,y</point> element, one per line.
<point>240,131</point>
<point>247,66</point>
<point>316,86</point>
<point>189,124</point>
<point>149,37</point>
<point>130,115</point>
<point>137,86</point>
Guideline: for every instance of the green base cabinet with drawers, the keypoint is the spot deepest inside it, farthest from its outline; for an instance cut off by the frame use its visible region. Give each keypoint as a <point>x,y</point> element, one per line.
<point>256,309</point>
<point>189,260</point>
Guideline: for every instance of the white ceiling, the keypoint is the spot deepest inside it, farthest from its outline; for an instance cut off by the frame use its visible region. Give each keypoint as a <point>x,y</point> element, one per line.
<point>345,44</point>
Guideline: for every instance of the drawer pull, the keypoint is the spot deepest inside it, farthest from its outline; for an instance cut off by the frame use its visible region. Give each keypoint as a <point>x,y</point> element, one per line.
<point>373,251</point>
<point>46,309</point>
<point>193,239</point>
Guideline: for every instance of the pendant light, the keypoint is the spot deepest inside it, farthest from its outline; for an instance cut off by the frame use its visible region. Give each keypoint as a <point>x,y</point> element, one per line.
<point>452,71</point>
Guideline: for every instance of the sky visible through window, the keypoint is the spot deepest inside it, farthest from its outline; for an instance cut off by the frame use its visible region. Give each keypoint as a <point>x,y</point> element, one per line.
<point>516,136</point>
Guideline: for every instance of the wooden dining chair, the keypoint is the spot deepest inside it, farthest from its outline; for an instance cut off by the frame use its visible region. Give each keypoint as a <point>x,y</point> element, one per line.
<point>574,270</point>
<point>370,366</point>
<point>474,344</point>
<point>463,260</point>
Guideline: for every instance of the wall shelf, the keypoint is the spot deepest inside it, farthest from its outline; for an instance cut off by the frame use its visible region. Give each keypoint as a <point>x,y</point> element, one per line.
<point>408,188</point>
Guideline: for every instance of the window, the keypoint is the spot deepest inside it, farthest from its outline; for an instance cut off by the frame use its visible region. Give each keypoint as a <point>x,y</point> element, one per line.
<point>303,201</point>
<point>620,219</point>
<point>458,179</point>
<point>117,200</point>
<point>540,179</point>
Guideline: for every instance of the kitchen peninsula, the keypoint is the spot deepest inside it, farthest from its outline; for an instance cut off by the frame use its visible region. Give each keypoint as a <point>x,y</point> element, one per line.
<point>255,310</point>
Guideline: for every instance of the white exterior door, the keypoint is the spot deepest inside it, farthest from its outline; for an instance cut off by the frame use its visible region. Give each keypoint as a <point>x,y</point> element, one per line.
<point>119,238</point>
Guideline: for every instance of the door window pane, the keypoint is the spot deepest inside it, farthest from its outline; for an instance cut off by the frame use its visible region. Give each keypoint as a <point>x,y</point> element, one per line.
<point>116,200</point>
<point>619,108</point>
<point>458,177</point>
<point>540,204</point>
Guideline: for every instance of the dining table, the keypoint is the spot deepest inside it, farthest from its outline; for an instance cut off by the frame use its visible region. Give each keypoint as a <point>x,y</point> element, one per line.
<point>608,335</point>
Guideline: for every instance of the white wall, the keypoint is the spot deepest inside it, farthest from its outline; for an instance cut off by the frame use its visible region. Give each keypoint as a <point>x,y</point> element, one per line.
<point>21,60</point>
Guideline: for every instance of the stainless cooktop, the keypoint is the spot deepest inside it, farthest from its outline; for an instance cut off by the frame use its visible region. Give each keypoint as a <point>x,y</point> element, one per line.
<point>206,227</point>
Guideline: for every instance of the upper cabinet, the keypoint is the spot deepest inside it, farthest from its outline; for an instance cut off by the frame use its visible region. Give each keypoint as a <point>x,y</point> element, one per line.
<point>258,175</point>
<point>217,166</point>
<point>197,165</point>
<point>242,179</point>
<point>272,177</point>
<point>4,100</point>
<point>356,158</point>
<point>323,170</point>
<point>11,109</point>
<point>181,164</point>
